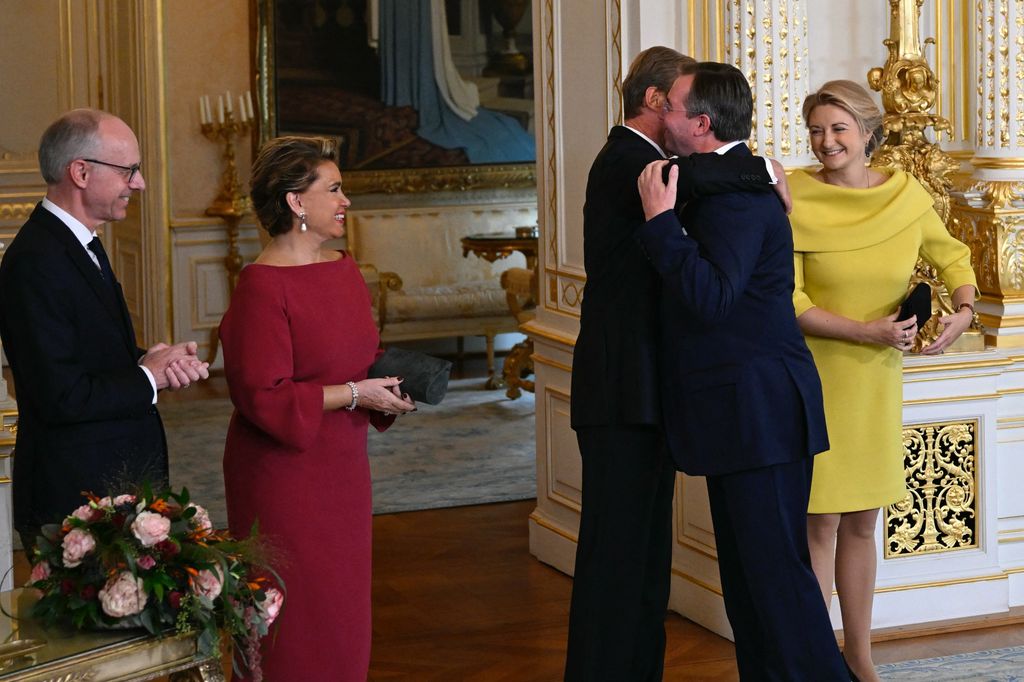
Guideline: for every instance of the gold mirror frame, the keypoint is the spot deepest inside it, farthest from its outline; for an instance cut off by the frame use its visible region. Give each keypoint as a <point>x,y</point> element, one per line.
<point>394,181</point>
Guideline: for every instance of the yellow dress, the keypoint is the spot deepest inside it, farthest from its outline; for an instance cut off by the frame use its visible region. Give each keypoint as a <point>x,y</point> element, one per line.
<point>855,250</point>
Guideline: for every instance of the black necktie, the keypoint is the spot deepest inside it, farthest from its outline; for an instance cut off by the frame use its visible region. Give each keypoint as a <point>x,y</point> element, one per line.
<point>96,246</point>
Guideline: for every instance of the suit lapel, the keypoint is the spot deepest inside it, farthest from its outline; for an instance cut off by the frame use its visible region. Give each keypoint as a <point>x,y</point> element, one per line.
<point>111,298</point>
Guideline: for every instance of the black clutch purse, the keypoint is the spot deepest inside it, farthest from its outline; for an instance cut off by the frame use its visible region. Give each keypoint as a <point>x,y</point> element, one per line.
<point>918,303</point>
<point>425,377</point>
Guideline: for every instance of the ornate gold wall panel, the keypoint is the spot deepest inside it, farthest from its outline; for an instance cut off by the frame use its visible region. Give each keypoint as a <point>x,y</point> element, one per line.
<point>995,232</point>
<point>767,41</point>
<point>940,510</point>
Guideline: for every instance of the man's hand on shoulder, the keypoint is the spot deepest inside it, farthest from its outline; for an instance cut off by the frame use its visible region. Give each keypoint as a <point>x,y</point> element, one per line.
<point>175,367</point>
<point>657,195</point>
<point>782,186</point>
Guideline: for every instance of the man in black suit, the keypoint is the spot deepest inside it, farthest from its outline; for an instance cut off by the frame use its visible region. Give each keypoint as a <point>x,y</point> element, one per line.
<point>623,556</point>
<point>741,396</point>
<point>86,393</point>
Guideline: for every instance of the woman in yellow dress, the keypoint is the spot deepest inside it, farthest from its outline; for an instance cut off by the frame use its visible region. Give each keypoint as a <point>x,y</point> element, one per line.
<point>857,234</point>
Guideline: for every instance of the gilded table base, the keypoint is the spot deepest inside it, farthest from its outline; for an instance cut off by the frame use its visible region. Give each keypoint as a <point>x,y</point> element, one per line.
<point>518,362</point>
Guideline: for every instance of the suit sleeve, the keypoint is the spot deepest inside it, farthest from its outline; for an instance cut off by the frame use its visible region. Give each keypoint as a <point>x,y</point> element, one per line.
<point>707,174</point>
<point>257,342</point>
<point>46,329</point>
<point>707,280</point>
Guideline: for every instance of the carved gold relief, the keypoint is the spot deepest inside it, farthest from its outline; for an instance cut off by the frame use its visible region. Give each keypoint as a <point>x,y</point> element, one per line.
<point>939,512</point>
<point>975,230</point>
<point>909,89</point>
<point>989,218</point>
<point>18,211</point>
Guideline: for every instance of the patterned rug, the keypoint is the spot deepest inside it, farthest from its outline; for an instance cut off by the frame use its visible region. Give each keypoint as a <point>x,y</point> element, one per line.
<point>994,665</point>
<point>475,447</point>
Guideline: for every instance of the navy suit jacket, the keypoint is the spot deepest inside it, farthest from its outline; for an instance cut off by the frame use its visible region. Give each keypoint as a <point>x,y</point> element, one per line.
<point>85,414</point>
<point>739,387</point>
<point>614,368</point>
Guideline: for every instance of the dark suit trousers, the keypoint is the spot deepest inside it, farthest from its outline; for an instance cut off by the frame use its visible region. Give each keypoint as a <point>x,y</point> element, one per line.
<point>778,617</point>
<point>623,557</point>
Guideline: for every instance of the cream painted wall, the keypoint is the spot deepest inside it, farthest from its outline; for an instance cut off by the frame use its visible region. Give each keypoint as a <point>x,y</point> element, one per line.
<point>845,39</point>
<point>36,98</point>
<point>206,48</point>
<point>206,53</point>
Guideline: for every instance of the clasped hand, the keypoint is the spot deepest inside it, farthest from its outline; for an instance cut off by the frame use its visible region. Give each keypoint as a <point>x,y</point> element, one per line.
<point>384,395</point>
<point>175,367</point>
<point>952,327</point>
<point>886,331</point>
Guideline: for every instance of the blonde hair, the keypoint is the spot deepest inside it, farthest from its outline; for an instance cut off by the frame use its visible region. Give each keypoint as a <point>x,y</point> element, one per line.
<point>854,100</point>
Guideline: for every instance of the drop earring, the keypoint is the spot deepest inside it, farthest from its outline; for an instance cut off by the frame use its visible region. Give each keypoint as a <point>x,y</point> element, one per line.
<point>302,222</point>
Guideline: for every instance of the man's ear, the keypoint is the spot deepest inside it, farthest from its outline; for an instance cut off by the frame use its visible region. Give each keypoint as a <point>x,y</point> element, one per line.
<point>704,125</point>
<point>654,98</point>
<point>78,171</point>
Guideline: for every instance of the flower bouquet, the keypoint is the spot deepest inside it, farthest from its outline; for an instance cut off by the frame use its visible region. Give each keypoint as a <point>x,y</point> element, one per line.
<point>155,561</point>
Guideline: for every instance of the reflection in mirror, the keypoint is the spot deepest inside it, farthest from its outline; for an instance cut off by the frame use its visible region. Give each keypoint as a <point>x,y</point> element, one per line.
<point>422,95</point>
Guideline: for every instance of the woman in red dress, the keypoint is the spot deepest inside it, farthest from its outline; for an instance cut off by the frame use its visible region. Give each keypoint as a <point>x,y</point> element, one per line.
<point>298,339</point>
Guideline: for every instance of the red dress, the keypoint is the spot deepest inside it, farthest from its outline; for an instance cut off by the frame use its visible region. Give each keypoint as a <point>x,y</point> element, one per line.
<point>302,472</point>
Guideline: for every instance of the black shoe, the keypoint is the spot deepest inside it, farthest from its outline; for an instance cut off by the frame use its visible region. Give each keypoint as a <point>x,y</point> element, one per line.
<point>849,671</point>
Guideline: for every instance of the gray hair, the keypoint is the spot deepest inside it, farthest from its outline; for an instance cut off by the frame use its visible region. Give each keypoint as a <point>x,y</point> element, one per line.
<point>72,136</point>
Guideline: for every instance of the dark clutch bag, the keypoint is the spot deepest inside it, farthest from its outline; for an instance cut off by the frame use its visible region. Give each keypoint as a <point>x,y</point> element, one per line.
<point>918,303</point>
<point>425,377</point>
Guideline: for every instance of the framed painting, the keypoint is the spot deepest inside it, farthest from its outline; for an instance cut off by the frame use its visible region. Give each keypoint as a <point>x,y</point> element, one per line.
<point>421,95</point>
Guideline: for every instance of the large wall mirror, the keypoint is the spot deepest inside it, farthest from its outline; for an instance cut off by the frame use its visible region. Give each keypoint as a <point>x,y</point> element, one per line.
<point>422,95</point>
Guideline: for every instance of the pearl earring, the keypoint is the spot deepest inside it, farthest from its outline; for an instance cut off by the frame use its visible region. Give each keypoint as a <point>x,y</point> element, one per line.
<point>302,222</point>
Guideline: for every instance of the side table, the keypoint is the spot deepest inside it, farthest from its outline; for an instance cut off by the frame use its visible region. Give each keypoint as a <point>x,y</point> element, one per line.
<point>495,246</point>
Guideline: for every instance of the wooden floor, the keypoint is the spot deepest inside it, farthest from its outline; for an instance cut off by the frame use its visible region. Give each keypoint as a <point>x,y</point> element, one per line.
<point>457,596</point>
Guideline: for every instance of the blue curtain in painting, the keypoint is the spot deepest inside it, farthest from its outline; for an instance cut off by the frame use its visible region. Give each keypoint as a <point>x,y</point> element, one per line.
<point>407,79</point>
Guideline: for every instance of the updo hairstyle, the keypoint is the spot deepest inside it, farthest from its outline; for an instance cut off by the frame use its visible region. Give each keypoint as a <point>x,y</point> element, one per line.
<point>285,164</point>
<point>856,101</point>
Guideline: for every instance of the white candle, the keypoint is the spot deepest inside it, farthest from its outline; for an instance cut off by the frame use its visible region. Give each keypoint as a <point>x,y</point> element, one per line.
<point>209,109</point>
<point>202,113</point>
<point>248,104</point>
<point>241,108</point>
<point>228,98</point>
<point>220,108</point>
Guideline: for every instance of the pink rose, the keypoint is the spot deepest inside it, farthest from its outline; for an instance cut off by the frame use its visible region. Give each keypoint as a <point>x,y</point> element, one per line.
<point>146,562</point>
<point>77,544</point>
<point>207,584</point>
<point>86,513</point>
<point>124,499</point>
<point>201,520</point>
<point>271,606</point>
<point>40,571</point>
<point>105,502</point>
<point>151,528</point>
<point>123,595</point>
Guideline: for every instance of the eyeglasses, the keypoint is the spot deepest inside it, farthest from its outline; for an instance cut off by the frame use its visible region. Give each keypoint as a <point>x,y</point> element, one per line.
<point>690,114</point>
<point>130,170</point>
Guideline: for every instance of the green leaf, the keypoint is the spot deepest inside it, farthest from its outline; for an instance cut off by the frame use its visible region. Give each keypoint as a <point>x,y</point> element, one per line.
<point>149,622</point>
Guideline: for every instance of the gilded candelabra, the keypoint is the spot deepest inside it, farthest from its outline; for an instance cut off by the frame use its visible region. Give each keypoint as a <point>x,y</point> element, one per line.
<point>909,89</point>
<point>232,203</point>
